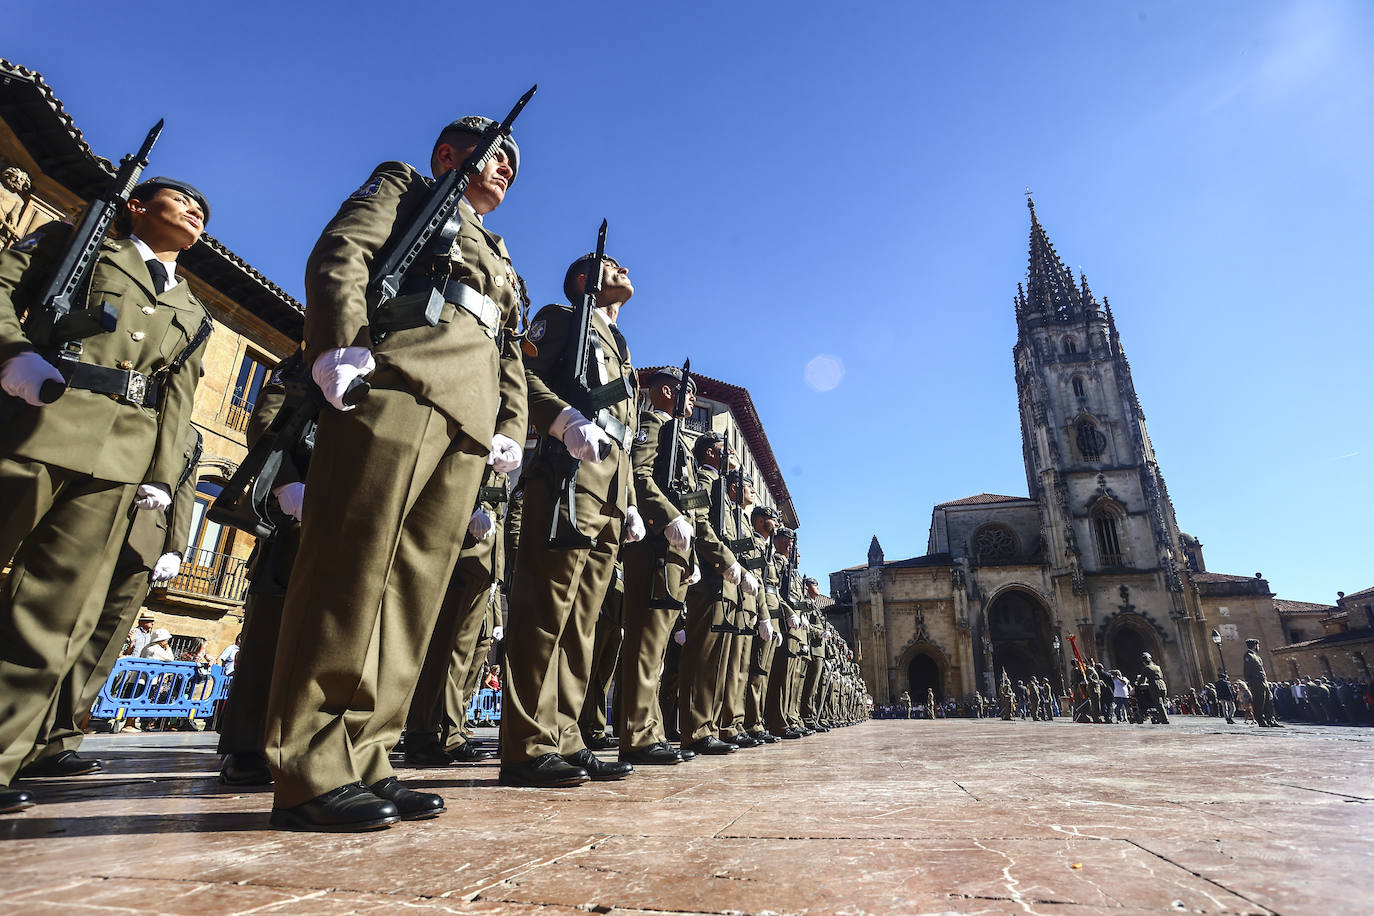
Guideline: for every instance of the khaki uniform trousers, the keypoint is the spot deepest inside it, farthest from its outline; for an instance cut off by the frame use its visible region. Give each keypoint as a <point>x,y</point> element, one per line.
<point>64,531</point>
<point>776,692</point>
<point>796,681</point>
<point>61,728</point>
<point>736,680</point>
<point>648,631</point>
<point>811,690</point>
<point>705,659</point>
<point>437,712</point>
<point>243,718</point>
<point>554,605</point>
<point>761,663</point>
<point>391,486</point>
<point>605,663</point>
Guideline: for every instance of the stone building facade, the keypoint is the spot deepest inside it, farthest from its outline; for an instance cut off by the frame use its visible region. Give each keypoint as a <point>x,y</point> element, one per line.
<point>256,325</point>
<point>1092,561</point>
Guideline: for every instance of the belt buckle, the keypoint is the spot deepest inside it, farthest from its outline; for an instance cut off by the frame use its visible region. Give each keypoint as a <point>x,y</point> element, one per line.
<point>137,387</point>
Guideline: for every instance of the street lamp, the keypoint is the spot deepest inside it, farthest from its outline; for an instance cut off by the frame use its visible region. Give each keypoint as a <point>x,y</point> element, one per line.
<point>1059,672</point>
<point>1216,641</point>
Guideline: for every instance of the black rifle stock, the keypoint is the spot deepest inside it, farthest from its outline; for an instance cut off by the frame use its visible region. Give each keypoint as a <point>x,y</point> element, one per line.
<point>573,383</point>
<point>58,322</point>
<point>398,299</point>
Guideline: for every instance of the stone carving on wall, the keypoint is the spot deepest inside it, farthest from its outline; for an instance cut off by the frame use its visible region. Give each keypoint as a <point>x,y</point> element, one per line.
<point>14,187</point>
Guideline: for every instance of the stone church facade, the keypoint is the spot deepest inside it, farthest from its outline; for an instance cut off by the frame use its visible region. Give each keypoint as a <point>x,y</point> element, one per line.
<point>1092,560</point>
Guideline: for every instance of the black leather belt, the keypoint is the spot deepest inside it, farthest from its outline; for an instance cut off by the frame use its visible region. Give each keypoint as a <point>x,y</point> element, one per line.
<point>486,311</point>
<point>123,384</point>
<point>754,562</point>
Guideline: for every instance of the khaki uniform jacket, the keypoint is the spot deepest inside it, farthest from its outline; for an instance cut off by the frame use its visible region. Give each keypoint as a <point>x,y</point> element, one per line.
<point>1254,668</point>
<point>713,579</point>
<point>1155,676</point>
<point>91,433</point>
<point>768,574</point>
<point>652,478</point>
<point>154,533</point>
<point>456,367</point>
<point>608,480</point>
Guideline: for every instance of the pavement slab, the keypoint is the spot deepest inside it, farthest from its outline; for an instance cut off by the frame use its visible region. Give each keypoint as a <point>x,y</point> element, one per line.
<point>907,817</point>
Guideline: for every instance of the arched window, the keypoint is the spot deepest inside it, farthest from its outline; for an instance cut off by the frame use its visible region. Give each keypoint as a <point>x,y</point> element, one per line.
<point>1070,345</point>
<point>1091,443</point>
<point>1078,386</point>
<point>1108,537</point>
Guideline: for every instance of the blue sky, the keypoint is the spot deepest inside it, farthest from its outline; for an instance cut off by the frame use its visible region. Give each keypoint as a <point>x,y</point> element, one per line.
<point>788,180</point>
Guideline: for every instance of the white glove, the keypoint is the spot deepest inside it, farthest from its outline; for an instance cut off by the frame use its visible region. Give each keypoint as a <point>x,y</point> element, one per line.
<point>481,525</point>
<point>765,628</point>
<point>505,454</point>
<point>153,496</point>
<point>794,621</point>
<point>680,637</point>
<point>733,573</point>
<point>679,532</point>
<point>498,632</point>
<point>750,584</point>
<point>166,567</point>
<point>335,370</point>
<point>634,525</point>
<point>696,575</point>
<point>290,496</point>
<point>585,440</point>
<point>23,375</point>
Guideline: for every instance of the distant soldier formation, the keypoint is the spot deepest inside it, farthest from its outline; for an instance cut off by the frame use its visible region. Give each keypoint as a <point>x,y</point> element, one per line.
<point>427,456</point>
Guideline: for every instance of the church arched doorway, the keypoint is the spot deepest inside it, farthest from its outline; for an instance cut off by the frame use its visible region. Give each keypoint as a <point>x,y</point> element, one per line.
<point>1128,639</point>
<point>923,673</point>
<point>1022,646</point>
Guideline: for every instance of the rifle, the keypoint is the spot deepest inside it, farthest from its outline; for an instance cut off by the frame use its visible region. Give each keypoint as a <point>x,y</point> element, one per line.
<point>397,300</point>
<point>593,401</point>
<point>257,473</point>
<point>58,323</point>
<point>675,472</point>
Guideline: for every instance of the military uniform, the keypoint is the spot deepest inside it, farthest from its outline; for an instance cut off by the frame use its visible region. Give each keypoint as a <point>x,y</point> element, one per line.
<point>1156,691</point>
<point>150,536</point>
<point>391,487</point>
<point>739,661</point>
<point>557,597</point>
<point>656,574</point>
<point>1262,698</point>
<point>438,710</point>
<point>69,471</point>
<point>605,663</point>
<point>763,651</point>
<point>242,719</point>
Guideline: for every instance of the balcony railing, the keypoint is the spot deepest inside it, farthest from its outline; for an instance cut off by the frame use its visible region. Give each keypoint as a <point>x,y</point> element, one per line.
<point>236,417</point>
<point>208,574</point>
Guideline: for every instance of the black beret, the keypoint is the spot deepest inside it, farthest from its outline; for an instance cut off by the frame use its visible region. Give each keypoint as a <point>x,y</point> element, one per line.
<point>674,373</point>
<point>580,266</point>
<point>765,512</point>
<point>146,189</point>
<point>733,478</point>
<point>478,125</point>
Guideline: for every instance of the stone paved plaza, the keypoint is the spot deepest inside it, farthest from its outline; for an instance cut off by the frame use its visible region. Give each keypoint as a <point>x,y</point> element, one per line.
<point>908,817</point>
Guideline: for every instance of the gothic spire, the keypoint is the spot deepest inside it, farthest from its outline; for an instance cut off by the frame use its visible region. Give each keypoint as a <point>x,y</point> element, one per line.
<point>1050,286</point>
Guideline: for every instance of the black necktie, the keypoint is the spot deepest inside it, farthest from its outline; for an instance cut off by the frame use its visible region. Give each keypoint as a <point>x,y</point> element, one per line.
<point>159,274</point>
<point>619,341</point>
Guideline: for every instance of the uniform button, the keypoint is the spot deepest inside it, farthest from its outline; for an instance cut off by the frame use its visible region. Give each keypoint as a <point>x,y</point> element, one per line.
<point>137,335</point>
<point>126,364</point>
<point>148,309</point>
<point>499,280</point>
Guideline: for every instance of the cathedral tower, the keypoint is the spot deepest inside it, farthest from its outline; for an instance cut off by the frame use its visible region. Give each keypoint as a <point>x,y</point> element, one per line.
<point>1107,524</point>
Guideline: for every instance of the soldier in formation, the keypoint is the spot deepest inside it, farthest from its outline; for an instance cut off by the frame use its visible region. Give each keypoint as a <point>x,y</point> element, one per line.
<point>400,504</point>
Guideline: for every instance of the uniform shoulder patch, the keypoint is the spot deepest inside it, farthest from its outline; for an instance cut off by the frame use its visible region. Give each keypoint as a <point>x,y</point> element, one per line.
<point>537,329</point>
<point>29,241</point>
<point>373,185</point>
<point>642,435</point>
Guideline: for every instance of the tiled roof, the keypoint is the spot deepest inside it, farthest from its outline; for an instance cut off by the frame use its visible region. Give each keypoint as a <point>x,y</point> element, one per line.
<point>1329,640</point>
<point>747,419</point>
<point>983,499</point>
<point>1284,606</point>
<point>33,111</point>
<point>1220,577</point>
<point>1360,595</point>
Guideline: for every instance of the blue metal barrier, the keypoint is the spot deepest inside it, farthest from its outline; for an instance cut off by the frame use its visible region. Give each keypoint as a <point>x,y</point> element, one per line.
<point>485,708</point>
<point>146,687</point>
